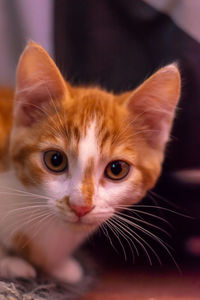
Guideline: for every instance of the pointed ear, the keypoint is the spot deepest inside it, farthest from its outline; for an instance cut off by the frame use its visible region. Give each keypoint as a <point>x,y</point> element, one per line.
<point>153,104</point>
<point>38,83</point>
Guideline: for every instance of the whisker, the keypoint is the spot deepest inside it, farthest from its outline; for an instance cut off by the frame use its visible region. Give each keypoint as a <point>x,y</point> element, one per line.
<point>103,227</point>
<point>48,217</point>
<point>150,234</point>
<point>161,208</point>
<point>22,209</point>
<point>25,193</point>
<point>127,239</point>
<point>144,230</point>
<point>144,222</point>
<point>27,220</point>
<point>125,208</point>
<point>136,237</point>
<point>113,229</point>
<point>163,199</point>
<point>11,204</point>
<point>148,214</point>
<point>159,240</point>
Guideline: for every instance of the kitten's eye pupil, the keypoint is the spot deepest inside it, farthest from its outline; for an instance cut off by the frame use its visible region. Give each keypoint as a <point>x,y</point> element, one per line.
<point>55,161</point>
<point>117,170</point>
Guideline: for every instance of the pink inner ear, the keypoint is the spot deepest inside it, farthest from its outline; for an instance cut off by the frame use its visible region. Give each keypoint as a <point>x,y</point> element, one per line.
<point>29,113</point>
<point>155,121</point>
<point>153,105</point>
<point>39,85</point>
<point>32,104</point>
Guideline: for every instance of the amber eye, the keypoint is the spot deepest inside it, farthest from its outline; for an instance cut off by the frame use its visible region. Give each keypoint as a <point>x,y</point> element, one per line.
<point>117,170</point>
<point>55,161</point>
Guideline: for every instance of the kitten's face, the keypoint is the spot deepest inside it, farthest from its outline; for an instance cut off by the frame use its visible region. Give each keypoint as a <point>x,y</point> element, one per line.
<point>90,152</point>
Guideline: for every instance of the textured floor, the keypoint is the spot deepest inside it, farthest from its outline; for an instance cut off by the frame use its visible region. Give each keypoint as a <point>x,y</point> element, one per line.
<point>141,285</point>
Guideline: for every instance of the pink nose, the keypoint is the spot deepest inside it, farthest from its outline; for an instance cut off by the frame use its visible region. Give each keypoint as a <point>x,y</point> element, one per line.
<point>80,211</point>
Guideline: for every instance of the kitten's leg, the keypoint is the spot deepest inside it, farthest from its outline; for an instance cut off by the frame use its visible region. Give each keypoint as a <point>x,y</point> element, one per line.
<point>13,266</point>
<point>69,271</point>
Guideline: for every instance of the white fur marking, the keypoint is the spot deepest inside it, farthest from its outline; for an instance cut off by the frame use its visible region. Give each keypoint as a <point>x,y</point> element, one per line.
<point>88,146</point>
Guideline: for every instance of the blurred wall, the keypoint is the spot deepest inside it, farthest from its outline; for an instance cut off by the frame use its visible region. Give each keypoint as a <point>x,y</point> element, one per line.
<point>20,21</point>
<point>184,13</point>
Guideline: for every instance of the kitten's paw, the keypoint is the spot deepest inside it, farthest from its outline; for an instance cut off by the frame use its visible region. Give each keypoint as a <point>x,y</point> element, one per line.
<point>12,267</point>
<point>69,271</point>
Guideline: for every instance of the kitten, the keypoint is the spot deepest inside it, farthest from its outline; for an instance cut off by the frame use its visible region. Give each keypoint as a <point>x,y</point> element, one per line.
<point>71,157</point>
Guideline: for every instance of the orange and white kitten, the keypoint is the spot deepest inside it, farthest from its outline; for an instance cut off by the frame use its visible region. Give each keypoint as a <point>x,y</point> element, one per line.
<point>71,157</point>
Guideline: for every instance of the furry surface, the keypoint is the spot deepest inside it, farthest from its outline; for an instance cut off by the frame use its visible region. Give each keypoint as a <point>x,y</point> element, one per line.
<point>39,289</point>
<point>44,287</point>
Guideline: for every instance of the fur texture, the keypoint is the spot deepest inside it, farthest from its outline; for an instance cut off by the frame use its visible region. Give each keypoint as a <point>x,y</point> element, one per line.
<point>111,149</point>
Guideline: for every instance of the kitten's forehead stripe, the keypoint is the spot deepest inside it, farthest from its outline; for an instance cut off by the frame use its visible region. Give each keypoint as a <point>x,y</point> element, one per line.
<point>88,153</point>
<point>88,145</point>
<point>87,187</point>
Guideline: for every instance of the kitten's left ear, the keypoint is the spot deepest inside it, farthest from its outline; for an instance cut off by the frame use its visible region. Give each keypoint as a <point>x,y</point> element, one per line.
<point>152,105</point>
<point>38,83</point>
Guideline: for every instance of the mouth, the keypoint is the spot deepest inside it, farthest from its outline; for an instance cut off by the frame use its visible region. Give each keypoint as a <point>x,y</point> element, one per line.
<point>86,221</point>
<point>80,222</point>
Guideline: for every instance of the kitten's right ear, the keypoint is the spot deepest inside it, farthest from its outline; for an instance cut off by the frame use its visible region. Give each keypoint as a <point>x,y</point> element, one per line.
<point>38,84</point>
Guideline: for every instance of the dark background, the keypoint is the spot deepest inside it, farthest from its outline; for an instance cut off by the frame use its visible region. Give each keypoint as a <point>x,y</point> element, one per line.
<point>117,44</point>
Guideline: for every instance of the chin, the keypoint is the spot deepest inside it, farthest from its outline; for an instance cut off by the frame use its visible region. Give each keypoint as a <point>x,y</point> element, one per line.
<point>95,220</point>
<point>83,227</point>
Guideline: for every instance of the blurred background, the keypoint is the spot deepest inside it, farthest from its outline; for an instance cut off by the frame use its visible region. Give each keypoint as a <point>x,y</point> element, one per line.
<point>117,44</point>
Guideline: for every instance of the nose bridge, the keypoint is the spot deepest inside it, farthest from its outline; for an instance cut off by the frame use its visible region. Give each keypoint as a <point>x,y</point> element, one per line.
<point>82,186</point>
<point>87,185</point>
<point>81,199</point>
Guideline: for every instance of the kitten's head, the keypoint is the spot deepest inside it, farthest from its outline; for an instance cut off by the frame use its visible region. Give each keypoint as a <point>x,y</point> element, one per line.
<point>88,151</point>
